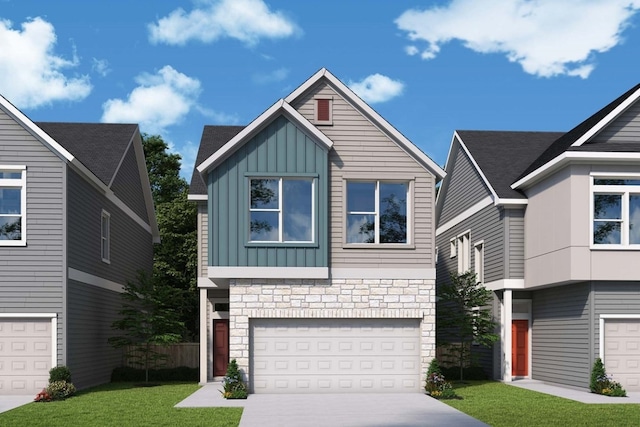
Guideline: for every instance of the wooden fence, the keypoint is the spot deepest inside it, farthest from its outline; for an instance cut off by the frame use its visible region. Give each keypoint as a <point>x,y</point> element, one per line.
<point>182,354</point>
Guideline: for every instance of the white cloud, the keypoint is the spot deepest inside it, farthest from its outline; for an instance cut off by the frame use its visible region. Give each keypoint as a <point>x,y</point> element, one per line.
<point>160,100</point>
<point>377,88</point>
<point>31,74</point>
<point>100,66</point>
<point>244,20</point>
<point>546,37</point>
<point>218,117</point>
<point>272,77</point>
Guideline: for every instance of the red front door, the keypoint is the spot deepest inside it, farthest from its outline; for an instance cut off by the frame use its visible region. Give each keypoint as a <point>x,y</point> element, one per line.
<point>220,347</point>
<point>520,348</point>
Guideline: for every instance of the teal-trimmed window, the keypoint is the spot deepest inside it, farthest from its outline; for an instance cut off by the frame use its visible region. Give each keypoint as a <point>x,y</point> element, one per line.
<point>616,212</point>
<point>377,212</point>
<point>282,209</point>
<point>13,205</point>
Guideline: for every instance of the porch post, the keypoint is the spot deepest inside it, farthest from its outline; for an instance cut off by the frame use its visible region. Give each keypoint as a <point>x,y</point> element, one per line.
<point>203,336</point>
<point>507,320</point>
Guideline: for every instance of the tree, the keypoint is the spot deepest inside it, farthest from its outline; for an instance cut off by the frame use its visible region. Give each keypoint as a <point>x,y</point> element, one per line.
<point>148,319</point>
<point>175,259</point>
<point>463,316</point>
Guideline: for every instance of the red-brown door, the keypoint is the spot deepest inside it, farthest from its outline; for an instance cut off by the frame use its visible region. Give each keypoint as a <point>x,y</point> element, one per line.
<point>520,348</point>
<point>220,347</point>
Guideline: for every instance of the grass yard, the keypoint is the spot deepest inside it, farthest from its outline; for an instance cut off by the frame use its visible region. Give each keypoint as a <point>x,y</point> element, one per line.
<point>122,404</point>
<point>501,405</point>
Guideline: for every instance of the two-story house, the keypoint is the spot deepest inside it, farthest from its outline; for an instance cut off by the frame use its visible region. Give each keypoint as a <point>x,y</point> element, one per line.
<point>549,222</point>
<point>316,247</point>
<point>76,223</point>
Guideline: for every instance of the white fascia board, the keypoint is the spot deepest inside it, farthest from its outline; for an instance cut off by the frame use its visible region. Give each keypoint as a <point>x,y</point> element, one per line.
<point>280,107</point>
<point>607,119</point>
<point>380,122</point>
<point>468,213</point>
<point>93,280</point>
<point>446,165</point>
<point>267,273</point>
<point>197,197</point>
<point>475,165</point>
<point>569,156</point>
<point>511,202</point>
<point>505,284</point>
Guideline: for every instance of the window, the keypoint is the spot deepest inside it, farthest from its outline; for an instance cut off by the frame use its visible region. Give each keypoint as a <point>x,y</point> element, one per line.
<point>105,236</point>
<point>616,212</point>
<point>464,253</point>
<point>323,111</point>
<point>479,261</point>
<point>281,210</point>
<point>453,248</point>
<point>13,205</point>
<point>377,212</point>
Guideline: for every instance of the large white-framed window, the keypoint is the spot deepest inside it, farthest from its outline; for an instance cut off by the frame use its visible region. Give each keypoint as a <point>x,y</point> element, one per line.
<point>478,261</point>
<point>282,209</point>
<point>378,212</point>
<point>13,205</point>
<point>615,212</point>
<point>464,252</point>
<point>105,236</point>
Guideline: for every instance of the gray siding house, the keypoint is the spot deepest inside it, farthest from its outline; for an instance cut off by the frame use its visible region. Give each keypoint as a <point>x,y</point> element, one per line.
<point>76,222</point>
<point>316,247</point>
<point>548,221</point>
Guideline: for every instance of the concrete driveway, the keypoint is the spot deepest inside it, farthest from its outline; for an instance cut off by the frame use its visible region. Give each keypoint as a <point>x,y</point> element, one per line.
<point>344,410</point>
<point>8,403</point>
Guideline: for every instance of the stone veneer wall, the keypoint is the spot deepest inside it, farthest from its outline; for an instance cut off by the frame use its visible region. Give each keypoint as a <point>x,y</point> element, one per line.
<point>333,298</point>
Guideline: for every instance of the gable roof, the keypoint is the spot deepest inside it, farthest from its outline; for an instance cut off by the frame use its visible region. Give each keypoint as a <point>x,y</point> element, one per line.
<point>501,156</point>
<point>575,139</point>
<point>213,138</point>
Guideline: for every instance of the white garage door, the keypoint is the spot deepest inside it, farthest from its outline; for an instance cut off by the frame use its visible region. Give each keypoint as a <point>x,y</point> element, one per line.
<point>25,355</point>
<point>622,352</point>
<point>335,355</point>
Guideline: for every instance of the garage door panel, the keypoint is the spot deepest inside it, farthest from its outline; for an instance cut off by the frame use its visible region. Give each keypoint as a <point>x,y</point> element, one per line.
<point>315,355</point>
<point>622,351</point>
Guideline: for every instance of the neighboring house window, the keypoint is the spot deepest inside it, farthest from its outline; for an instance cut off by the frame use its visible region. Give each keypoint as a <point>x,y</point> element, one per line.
<point>323,111</point>
<point>282,210</point>
<point>464,253</point>
<point>13,205</point>
<point>377,212</point>
<point>616,212</point>
<point>105,236</point>
<point>479,261</point>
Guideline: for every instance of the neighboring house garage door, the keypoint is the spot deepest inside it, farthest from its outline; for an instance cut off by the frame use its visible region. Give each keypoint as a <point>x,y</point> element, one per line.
<point>622,351</point>
<point>25,355</point>
<point>335,355</point>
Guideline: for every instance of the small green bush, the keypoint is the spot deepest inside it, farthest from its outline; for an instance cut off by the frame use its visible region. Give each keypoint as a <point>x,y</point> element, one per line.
<point>182,373</point>
<point>434,367</point>
<point>601,383</point>
<point>233,386</point>
<point>60,390</point>
<point>60,373</point>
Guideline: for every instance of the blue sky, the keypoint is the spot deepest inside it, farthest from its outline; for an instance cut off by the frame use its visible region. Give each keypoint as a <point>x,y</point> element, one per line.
<point>428,67</point>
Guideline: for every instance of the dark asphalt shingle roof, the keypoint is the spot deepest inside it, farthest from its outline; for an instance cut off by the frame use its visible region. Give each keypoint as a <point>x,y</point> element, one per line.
<point>98,146</point>
<point>213,138</point>
<point>503,155</point>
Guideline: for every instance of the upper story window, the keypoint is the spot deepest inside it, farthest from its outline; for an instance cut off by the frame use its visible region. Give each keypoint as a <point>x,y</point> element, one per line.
<point>464,252</point>
<point>282,210</point>
<point>105,236</point>
<point>479,261</point>
<point>616,212</point>
<point>377,212</point>
<point>13,205</point>
<point>323,114</point>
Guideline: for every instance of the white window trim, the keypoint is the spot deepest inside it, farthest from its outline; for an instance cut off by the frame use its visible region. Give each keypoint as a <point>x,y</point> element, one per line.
<point>624,191</point>
<point>376,214</point>
<point>453,247</point>
<point>105,216</point>
<point>22,183</point>
<point>315,110</point>
<point>280,211</point>
<point>478,261</point>
<point>464,251</point>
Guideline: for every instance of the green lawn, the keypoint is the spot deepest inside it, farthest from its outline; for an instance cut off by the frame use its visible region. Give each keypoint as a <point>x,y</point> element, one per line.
<point>122,404</point>
<point>500,405</point>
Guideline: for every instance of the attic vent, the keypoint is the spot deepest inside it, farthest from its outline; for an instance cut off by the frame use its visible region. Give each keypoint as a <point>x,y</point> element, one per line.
<point>323,111</point>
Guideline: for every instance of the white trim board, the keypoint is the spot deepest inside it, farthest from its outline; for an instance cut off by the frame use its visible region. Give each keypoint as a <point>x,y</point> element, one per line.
<point>384,273</point>
<point>90,279</point>
<point>468,213</point>
<point>268,272</point>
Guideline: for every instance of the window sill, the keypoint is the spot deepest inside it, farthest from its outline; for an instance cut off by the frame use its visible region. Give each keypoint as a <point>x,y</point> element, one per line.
<point>281,245</point>
<point>10,243</point>
<point>615,247</point>
<point>395,246</point>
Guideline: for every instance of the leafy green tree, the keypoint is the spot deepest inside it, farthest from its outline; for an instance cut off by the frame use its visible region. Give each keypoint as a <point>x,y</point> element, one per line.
<point>148,319</point>
<point>175,258</point>
<point>464,316</point>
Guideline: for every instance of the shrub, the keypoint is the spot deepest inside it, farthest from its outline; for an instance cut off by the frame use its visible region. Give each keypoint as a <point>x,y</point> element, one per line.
<point>43,396</point>
<point>233,386</point>
<point>602,383</point>
<point>434,367</point>
<point>438,387</point>
<point>60,390</point>
<point>60,373</point>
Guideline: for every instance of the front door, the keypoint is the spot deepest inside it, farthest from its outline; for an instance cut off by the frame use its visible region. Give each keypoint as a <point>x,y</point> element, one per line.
<point>220,347</point>
<point>520,348</point>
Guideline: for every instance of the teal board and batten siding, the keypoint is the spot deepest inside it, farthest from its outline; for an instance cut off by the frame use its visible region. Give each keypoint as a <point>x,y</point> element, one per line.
<point>280,148</point>
<point>625,128</point>
<point>31,276</point>
<point>127,185</point>
<point>562,335</point>
<point>467,185</point>
<point>361,150</point>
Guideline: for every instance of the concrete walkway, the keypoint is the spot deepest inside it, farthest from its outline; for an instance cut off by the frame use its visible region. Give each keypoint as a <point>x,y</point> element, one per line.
<point>8,403</point>
<point>346,410</point>
<point>577,394</point>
